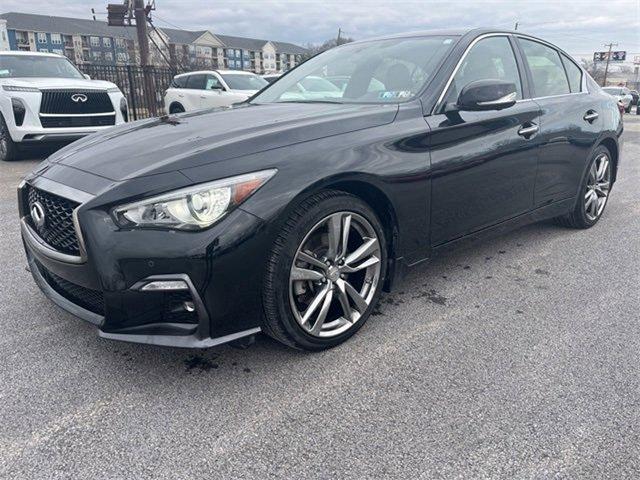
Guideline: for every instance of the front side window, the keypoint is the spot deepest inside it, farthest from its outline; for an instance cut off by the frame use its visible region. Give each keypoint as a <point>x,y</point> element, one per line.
<point>36,66</point>
<point>549,77</point>
<point>380,71</point>
<point>197,82</point>
<point>573,73</point>
<point>213,83</point>
<point>491,58</point>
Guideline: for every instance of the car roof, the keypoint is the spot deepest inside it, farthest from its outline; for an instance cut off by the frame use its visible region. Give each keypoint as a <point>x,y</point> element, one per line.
<point>30,54</point>
<point>239,72</point>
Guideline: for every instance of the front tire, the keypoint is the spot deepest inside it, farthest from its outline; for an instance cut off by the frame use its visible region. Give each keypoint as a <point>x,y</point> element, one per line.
<point>325,272</point>
<point>8,148</point>
<point>594,192</point>
<point>628,109</point>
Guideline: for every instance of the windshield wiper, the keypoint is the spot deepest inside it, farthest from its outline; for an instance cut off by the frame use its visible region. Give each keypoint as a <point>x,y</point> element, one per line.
<point>310,101</point>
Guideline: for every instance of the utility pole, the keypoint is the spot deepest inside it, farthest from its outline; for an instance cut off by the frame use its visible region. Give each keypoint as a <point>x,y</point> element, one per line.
<point>141,28</point>
<point>606,68</point>
<point>516,27</point>
<point>339,35</point>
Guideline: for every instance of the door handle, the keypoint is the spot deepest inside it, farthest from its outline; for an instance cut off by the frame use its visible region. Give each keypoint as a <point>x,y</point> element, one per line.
<point>590,116</point>
<point>528,131</point>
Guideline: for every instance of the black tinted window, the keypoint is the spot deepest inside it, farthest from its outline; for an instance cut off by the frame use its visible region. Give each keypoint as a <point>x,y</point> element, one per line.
<point>179,82</point>
<point>546,68</point>
<point>212,83</point>
<point>574,73</point>
<point>490,58</point>
<point>197,82</point>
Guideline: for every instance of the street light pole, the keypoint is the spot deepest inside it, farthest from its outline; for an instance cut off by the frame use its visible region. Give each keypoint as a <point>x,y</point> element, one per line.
<point>606,68</point>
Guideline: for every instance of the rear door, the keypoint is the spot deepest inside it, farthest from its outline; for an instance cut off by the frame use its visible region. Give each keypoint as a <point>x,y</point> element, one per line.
<point>569,123</point>
<point>483,163</point>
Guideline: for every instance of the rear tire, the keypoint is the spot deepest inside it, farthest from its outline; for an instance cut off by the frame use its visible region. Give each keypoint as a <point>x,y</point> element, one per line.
<point>594,192</point>
<point>628,109</point>
<point>314,262</point>
<point>8,148</point>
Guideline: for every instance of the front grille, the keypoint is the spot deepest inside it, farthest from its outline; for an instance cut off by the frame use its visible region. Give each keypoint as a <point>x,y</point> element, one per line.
<point>62,101</point>
<point>92,300</point>
<point>58,229</point>
<point>69,122</point>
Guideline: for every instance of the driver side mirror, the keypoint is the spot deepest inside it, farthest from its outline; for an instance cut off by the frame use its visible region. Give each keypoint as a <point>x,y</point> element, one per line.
<point>487,95</point>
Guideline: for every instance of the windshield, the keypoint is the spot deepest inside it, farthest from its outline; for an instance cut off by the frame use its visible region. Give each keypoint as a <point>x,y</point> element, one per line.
<point>380,71</point>
<point>237,81</point>
<point>37,66</point>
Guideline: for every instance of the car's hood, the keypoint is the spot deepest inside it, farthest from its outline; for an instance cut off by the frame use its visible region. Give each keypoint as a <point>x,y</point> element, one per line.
<point>188,140</point>
<point>44,82</point>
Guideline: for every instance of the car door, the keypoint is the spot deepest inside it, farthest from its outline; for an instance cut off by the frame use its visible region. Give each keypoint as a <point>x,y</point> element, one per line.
<point>483,163</point>
<point>215,93</point>
<point>569,121</point>
<point>194,92</point>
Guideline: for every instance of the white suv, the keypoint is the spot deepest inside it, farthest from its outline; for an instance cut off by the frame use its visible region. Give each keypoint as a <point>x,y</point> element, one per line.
<point>44,98</point>
<point>210,88</point>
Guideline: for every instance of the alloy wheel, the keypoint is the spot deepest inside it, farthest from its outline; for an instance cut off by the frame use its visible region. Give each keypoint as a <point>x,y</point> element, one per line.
<point>598,186</point>
<point>335,274</point>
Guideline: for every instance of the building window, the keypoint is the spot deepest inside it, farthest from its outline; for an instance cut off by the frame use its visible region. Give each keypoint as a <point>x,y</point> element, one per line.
<point>120,43</point>
<point>96,55</point>
<point>58,51</point>
<point>95,41</point>
<point>56,38</point>
<point>42,37</point>
<point>108,56</point>
<point>106,42</point>
<point>122,57</point>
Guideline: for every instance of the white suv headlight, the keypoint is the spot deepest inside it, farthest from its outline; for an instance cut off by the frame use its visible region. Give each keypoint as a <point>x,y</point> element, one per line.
<point>192,208</point>
<point>16,88</point>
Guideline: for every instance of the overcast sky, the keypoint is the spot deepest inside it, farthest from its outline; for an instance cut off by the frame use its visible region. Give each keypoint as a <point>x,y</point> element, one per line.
<point>579,26</point>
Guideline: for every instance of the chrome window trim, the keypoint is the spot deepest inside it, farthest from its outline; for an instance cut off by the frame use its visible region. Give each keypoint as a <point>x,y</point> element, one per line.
<point>583,84</point>
<point>464,55</point>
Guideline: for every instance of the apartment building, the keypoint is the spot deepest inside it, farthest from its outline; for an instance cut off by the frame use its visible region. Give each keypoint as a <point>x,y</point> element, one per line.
<point>94,42</point>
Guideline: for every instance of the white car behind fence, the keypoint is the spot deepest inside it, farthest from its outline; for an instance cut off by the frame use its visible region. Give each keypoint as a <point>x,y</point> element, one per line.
<point>210,88</point>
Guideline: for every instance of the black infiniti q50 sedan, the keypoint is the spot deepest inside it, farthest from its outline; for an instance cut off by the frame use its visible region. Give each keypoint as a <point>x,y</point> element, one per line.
<point>289,213</point>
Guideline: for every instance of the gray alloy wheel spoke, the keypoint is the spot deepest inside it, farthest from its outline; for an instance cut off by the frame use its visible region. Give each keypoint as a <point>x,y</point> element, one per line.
<point>344,302</point>
<point>369,247</point>
<point>334,229</point>
<point>305,257</point>
<point>317,326</point>
<point>315,303</point>
<point>361,304</point>
<point>306,274</point>
<point>346,229</point>
<point>372,260</point>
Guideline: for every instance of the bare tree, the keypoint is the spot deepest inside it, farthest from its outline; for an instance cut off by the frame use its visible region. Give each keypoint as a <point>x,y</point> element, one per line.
<point>315,49</point>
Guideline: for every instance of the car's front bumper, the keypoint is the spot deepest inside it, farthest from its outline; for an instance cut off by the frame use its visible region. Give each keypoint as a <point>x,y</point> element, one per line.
<point>220,268</point>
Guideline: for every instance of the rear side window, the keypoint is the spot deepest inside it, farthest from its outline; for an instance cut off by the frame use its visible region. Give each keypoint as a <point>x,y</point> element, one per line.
<point>574,73</point>
<point>197,82</point>
<point>179,82</point>
<point>490,58</point>
<point>546,68</point>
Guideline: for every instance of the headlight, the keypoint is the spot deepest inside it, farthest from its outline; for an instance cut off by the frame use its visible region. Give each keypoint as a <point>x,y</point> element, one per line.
<point>192,208</point>
<point>15,88</point>
<point>113,90</point>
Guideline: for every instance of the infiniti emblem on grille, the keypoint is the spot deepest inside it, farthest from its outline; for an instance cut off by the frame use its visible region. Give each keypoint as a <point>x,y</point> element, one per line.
<point>37,214</point>
<point>79,97</point>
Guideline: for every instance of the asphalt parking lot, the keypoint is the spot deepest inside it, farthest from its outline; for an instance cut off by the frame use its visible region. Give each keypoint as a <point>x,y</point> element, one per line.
<point>517,357</point>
